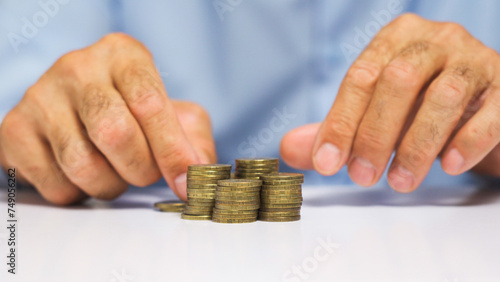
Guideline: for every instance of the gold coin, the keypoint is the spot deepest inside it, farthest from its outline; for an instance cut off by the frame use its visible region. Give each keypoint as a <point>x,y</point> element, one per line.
<point>264,205</point>
<point>230,212</point>
<point>237,195</point>
<point>200,190</point>
<point>201,202</point>
<point>238,202</point>
<point>237,198</point>
<point>282,197</point>
<point>202,186</point>
<point>280,218</point>
<point>237,190</point>
<point>196,217</point>
<point>239,183</point>
<point>207,177</point>
<point>276,187</point>
<point>287,213</point>
<point>281,192</point>
<point>256,170</point>
<point>283,176</point>
<point>235,216</point>
<point>233,207</point>
<point>220,220</point>
<point>199,208</point>
<point>202,182</point>
<point>248,177</point>
<point>281,202</point>
<point>210,167</point>
<point>257,161</point>
<point>170,206</point>
<point>225,175</point>
<point>280,209</point>
<point>282,182</point>
<point>195,212</point>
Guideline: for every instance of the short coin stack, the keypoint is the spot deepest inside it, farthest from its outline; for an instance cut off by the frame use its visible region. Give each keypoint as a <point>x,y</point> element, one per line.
<point>281,197</point>
<point>236,201</point>
<point>253,168</point>
<point>170,206</point>
<point>201,186</point>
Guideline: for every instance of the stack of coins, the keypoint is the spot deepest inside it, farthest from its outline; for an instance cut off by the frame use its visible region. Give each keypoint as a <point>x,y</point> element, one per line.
<point>201,185</point>
<point>237,201</point>
<point>170,206</point>
<point>253,168</point>
<point>281,196</point>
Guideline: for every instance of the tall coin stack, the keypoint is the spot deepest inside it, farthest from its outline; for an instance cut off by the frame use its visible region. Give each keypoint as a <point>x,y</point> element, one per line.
<point>236,201</point>
<point>201,186</point>
<point>281,196</point>
<point>253,168</point>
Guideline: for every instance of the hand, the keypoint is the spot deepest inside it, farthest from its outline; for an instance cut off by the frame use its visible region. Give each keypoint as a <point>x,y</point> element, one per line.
<point>100,119</point>
<point>422,89</point>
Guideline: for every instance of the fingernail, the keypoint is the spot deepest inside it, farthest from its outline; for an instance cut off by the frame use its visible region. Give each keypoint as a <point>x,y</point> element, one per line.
<point>401,179</point>
<point>362,171</point>
<point>327,159</point>
<point>455,162</point>
<point>180,185</point>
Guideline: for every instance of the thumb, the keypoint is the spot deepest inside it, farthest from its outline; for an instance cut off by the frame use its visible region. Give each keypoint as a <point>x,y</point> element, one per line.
<point>297,145</point>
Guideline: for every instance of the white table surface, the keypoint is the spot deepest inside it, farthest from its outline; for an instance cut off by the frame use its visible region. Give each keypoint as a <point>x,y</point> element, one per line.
<point>435,234</point>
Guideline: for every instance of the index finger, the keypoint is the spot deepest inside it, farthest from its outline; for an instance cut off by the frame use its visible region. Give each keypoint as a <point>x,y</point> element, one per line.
<point>137,79</point>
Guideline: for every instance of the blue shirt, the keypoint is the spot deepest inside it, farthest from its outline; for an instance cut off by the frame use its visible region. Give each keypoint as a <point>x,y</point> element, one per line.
<point>260,68</point>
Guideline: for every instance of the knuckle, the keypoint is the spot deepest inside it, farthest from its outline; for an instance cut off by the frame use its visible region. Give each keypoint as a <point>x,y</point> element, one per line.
<point>341,127</point>
<point>415,154</point>
<point>379,47</point>
<point>372,138</point>
<point>73,65</point>
<point>10,125</point>
<point>117,37</point>
<point>34,97</point>
<point>173,157</point>
<point>454,29</point>
<point>63,196</point>
<point>193,113</point>
<point>476,136</point>
<point>407,19</point>
<point>147,102</point>
<point>363,75</point>
<point>401,71</point>
<point>77,160</point>
<point>447,93</point>
<point>94,102</point>
<point>109,193</point>
<point>150,177</point>
<point>116,40</point>
<point>415,48</point>
<point>113,131</point>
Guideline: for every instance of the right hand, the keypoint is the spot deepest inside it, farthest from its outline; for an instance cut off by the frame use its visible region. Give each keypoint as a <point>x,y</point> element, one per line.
<point>100,119</point>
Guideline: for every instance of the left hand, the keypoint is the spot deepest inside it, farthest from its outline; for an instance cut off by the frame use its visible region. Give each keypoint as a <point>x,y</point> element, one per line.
<point>421,88</point>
